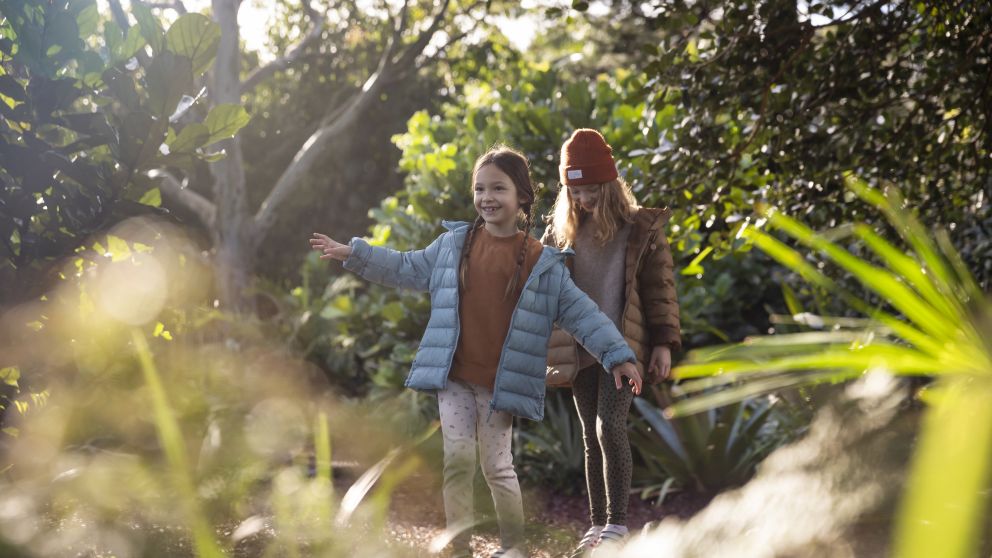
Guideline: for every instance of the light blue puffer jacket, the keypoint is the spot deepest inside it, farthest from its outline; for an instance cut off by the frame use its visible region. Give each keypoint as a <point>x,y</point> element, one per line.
<point>549,296</point>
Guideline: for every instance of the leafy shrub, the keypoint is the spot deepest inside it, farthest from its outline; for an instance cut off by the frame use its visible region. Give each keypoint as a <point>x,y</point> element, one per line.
<point>705,452</point>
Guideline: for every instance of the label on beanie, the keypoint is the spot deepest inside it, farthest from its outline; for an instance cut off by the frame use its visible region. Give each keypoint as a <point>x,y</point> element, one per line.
<point>577,173</point>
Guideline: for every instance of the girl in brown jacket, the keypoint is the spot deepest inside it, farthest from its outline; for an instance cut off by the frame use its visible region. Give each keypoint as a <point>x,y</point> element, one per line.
<point>623,262</point>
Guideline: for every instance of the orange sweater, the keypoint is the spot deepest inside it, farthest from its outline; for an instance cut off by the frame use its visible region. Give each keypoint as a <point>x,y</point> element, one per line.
<point>483,312</point>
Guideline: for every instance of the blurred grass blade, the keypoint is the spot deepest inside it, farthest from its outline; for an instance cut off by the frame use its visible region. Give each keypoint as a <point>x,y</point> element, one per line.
<point>752,388</point>
<point>444,538</point>
<point>902,360</point>
<point>356,494</point>
<point>908,227</point>
<point>946,500</point>
<point>791,301</point>
<point>322,448</point>
<point>360,489</point>
<point>885,284</point>
<point>323,472</point>
<point>170,436</point>
<point>972,291</point>
<point>912,270</point>
<point>782,343</point>
<point>791,259</point>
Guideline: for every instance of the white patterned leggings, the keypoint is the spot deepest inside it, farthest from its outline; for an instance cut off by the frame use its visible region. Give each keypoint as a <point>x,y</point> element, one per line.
<point>466,423</point>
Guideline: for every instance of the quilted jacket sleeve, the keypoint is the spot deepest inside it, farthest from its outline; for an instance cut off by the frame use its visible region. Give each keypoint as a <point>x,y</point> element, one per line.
<point>407,270</point>
<point>658,296</point>
<point>582,319</point>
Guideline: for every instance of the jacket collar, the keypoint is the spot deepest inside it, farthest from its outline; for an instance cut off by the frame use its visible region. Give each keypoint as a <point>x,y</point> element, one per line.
<point>649,219</point>
<point>455,226</point>
<point>549,255</point>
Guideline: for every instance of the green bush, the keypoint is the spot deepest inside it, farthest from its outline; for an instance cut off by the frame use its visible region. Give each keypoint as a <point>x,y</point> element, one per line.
<point>705,452</point>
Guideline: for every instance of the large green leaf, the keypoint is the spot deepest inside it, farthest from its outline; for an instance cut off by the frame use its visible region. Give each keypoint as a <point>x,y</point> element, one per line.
<point>150,26</point>
<point>195,37</point>
<point>192,136</point>
<point>87,20</point>
<point>224,121</point>
<point>141,136</point>
<point>169,76</point>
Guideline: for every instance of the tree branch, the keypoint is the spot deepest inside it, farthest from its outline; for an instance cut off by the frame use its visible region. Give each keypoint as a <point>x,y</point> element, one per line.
<point>411,53</point>
<point>119,15</point>
<point>174,190</point>
<point>339,120</point>
<point>438,54</point>
<point>294,53</point>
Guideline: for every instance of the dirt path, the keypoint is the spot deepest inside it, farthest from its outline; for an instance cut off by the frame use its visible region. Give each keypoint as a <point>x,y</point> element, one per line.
<point>554,522</point>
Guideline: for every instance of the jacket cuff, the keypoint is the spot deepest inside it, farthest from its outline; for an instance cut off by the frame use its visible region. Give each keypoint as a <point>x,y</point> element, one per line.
<point>359,258</point>
<point>617,356</point>
<point>665,336</point>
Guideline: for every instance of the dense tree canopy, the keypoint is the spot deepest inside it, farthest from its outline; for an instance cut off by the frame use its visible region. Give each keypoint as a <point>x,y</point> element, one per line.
<point>775,100</point>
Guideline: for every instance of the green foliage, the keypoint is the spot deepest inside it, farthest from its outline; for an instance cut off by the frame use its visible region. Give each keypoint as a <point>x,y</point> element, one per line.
<point>772,101</point>
<point>933,321</point>
<point>705,452</point>
<point>536,114</point>
<point>86,115</point>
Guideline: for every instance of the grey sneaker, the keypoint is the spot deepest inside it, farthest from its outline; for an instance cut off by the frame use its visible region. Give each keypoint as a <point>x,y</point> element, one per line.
<point>587,542</point>
<point>611,539</point>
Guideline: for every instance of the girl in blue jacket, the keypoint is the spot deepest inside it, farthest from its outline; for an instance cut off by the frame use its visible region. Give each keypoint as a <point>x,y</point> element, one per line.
<point>496,294</point>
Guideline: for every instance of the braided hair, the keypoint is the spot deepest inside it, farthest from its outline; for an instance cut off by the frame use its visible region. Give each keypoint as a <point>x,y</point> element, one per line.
<point>514,164</point>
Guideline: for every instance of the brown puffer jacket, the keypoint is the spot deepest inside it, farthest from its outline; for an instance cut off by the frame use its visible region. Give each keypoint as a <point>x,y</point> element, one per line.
<point>651,308</point>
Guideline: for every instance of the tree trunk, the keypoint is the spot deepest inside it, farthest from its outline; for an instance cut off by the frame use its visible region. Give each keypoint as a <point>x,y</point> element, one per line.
<point>236,231</point>
<point>235,241</point>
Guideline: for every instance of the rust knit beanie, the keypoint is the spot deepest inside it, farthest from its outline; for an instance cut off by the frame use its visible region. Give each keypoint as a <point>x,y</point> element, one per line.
<point>586,158</point>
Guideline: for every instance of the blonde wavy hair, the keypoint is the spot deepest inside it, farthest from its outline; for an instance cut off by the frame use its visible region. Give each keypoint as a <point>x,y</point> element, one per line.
<point>615,207</point>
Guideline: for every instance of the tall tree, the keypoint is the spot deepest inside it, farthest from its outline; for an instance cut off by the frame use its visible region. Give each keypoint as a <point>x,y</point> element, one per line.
<point>414,36</point>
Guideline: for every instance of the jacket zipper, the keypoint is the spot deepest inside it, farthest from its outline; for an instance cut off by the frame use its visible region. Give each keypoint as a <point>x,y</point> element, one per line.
<point>538,269</point>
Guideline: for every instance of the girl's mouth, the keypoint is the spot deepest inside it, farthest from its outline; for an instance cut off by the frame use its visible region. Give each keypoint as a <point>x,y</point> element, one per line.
<point>489,210</point>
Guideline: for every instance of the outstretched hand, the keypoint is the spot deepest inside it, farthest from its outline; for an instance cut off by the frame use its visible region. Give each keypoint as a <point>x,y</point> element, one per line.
<point>329,248</point>
<point>630,371</point>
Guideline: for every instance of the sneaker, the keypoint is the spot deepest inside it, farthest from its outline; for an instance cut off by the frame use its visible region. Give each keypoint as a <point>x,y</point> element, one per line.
<point>611,538</point>
<point>587,542</point>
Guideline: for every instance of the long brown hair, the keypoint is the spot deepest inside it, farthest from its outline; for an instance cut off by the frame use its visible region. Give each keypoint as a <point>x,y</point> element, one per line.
<point>615,207</point>
<point>515,165</point>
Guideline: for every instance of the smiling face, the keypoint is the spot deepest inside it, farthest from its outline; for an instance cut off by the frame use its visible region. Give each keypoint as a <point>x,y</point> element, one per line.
<point>496,199</point>
<point>585,197</point>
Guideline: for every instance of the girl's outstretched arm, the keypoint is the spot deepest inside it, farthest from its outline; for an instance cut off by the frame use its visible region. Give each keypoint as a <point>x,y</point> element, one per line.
<point>408,270</point>
<point>582,319</point>
<point>329,248</point>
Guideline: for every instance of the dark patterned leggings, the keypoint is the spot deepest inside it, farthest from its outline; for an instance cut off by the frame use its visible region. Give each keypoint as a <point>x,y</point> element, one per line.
<point>603,412</point>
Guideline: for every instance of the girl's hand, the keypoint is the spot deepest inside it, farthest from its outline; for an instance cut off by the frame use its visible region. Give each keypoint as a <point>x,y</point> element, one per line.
<point>627,369</point>
<point>660,365</point>
<point>329,248</point>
